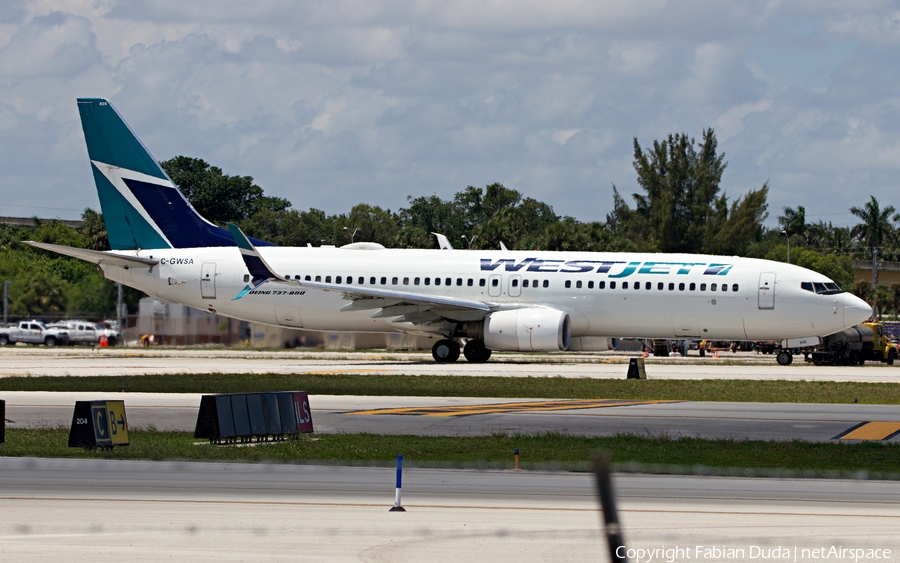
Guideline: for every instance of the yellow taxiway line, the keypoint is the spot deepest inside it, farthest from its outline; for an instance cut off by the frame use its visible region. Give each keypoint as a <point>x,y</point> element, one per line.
<point>498,408</point>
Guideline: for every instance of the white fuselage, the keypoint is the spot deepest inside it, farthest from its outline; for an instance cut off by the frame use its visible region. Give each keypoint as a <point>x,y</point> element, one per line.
<point>655,295</point>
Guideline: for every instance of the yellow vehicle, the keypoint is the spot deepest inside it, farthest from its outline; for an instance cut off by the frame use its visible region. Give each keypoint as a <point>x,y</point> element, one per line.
<point>855,345</point>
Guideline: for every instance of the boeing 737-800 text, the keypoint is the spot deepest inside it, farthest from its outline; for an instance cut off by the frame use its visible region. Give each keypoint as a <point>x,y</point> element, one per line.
<point>488,300</point>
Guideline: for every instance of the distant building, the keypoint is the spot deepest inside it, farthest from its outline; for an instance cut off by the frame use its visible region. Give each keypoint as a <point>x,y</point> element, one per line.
<point>888,272</point>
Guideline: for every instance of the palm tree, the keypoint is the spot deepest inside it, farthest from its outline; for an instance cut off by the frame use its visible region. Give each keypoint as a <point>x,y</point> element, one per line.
<point>876,228</point>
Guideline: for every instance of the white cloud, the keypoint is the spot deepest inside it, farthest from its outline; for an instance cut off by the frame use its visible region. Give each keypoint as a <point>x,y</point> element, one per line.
<point>331,103</point>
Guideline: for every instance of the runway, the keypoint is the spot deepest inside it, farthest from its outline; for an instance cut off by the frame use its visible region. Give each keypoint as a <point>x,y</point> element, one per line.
<point>72,361</point>
<point>466,416</point>
<point>97,511</point>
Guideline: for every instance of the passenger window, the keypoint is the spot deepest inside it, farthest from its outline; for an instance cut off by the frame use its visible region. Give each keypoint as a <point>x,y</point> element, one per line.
<point>546,283</point>
<point>734,287</point>
<point>327,279</point>
<point>637,285</point>
<point>624,285</point>
<point>515,282</point>
<point>612,285</point>
<point>394,281</point>
<point>481,282</point>
<point>702,287</point>
<point>458,281</point>
<point>724,287</point>
<point>372,280</point>
<point>495,282</point>
<point>470,282</point>
<point>671,286</point>
<point>362,280</point>
<point>534,283</point>
<point>307,278</point>
<point>601,285</point>
<point>524,283</point>
<point>712,287</point>
<point>681,287</point>
<point>590,285</point>
<point>568,284</point>
<point>427,281</point>
<point>437,281</point>
<point>648,286</point>
<point>416,281</point>
<point>578,284</point>
<point>448,281</point>
<point>247,278</point>
<point>338,279</point>
<point>383,280</point>
<point>297,278</point>
<point>692,287</point>
<point>318,278</point>
<point>660,286</point>
<point>405,281</point>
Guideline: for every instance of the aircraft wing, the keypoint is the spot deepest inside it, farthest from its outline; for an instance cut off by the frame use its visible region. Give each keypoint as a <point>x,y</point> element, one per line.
<point>96,256</point>
<point>362,297</point>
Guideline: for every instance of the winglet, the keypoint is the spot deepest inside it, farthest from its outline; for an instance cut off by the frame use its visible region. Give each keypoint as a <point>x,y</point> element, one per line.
<point>259,269</point>
<point>443,242</point>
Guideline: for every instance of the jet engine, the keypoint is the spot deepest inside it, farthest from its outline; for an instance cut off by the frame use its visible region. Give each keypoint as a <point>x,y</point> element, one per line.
<point>593,344</point>
<point>525,330</point>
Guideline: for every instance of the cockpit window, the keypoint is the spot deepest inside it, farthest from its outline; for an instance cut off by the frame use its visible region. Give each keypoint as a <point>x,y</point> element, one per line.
<point>829,288</point>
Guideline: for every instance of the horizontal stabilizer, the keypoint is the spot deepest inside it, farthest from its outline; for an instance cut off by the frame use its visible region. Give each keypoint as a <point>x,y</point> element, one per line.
<point>95,256</point>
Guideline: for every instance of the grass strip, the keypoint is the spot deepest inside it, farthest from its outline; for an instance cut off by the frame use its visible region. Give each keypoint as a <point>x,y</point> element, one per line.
<point>475,386</point>
<point>540,450</point>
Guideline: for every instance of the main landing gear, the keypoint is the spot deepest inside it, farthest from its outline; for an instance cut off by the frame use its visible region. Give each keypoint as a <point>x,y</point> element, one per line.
<point>446,351</point>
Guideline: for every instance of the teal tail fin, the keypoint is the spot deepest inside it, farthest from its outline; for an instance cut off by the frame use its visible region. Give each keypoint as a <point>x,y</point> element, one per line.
<point>141,206</point>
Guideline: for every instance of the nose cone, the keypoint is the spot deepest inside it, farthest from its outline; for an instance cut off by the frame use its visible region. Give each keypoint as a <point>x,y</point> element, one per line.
<point>855,310</point>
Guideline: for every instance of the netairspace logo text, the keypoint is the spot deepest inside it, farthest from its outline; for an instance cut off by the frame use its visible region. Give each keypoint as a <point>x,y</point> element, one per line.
<point>665,554</point>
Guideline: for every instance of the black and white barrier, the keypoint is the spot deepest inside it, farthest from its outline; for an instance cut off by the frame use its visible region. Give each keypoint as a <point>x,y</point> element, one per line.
<point>99,424</point>
<point>243,417</point>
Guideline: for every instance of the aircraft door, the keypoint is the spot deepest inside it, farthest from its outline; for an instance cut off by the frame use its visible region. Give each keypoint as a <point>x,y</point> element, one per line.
<point>495,285</point>
<point>208,280</point>
<point>515,286</point>
<point>767,290</point>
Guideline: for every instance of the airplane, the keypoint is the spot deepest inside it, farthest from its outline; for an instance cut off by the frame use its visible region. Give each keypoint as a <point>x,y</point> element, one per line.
<point>475,300</point>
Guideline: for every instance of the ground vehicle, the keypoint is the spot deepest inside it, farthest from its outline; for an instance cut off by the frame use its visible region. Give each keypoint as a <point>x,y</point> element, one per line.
<point>87,332</point>
<point>854,345</point>
<point>33,332</point>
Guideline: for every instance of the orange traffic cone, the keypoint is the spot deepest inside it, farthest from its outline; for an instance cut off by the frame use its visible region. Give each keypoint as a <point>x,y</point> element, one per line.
<point>104,341</point>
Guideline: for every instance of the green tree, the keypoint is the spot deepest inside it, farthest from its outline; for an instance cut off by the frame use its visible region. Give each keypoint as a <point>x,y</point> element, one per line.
<point>681,209</point>
<point>876,229</point>
<point>217,196</point>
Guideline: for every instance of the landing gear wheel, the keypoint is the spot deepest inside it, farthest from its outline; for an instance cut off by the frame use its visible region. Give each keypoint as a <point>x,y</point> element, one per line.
<point>476,352</point>
<point>785,358</point>
<point>445,351</point>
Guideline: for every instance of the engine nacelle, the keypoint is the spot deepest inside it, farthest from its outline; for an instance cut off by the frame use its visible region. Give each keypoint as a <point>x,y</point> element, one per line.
<point>592,344</point>
<point>526,330</point>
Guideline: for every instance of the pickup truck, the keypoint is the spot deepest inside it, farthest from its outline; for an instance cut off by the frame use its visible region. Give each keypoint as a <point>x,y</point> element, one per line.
<point>86,332</point>
<point>33,332</point>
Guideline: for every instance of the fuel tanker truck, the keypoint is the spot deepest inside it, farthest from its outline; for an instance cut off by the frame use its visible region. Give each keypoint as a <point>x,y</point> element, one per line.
<point>853,346</point>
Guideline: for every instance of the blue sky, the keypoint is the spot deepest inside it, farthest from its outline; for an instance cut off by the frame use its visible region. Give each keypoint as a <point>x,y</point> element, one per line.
<point>334,103</point>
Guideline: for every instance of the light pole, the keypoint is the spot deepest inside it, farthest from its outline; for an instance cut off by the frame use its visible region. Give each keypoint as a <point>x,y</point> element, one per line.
<point>353,234</point>
<point>469,241</point>
<point>5,298</point>
<point>788,237</point>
